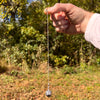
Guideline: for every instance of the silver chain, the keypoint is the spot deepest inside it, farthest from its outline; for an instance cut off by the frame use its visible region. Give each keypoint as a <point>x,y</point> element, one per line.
<point>48,49</point>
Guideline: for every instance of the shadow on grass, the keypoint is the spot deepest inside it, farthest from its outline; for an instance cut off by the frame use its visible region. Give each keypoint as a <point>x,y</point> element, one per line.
<point>3,69</point>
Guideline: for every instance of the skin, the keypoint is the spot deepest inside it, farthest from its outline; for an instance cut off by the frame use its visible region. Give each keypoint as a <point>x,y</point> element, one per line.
<point>68,18</point>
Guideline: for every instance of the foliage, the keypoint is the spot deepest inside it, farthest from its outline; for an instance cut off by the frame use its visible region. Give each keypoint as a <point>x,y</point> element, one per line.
<point>11,8</point>
<point>25,40</point>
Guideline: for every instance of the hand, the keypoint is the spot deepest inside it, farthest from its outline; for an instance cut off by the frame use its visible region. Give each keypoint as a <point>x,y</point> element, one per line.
<point>68,18</point>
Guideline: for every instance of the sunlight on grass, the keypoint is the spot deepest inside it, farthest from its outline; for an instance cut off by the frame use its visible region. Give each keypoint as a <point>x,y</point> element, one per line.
<point>78,86</point>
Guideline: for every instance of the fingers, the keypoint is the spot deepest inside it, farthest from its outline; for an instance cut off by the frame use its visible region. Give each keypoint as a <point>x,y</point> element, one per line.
<point>62,28</point>
<point>60,23</point>
<point>58,16</point>
<point>68,29</point>
<point>58,7</point>
<point>66,17</point>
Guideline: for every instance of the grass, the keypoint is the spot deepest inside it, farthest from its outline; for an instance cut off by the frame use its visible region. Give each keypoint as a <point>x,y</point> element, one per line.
<point>83,85</point>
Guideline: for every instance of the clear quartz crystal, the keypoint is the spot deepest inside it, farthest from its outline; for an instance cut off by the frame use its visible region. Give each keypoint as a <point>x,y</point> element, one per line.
<point>48,93</point>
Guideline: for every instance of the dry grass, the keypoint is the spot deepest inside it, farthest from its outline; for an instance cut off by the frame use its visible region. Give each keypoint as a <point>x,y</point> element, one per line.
<point>17,85</point>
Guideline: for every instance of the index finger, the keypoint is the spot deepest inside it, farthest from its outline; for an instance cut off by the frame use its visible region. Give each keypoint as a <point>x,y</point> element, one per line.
<point>58,7</point>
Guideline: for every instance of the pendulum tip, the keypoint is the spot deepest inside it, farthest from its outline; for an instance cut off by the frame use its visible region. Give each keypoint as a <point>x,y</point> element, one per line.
<point>48,93</point>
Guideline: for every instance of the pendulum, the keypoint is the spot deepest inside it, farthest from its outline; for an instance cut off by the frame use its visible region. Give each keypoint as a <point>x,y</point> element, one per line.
<point>48,92</point>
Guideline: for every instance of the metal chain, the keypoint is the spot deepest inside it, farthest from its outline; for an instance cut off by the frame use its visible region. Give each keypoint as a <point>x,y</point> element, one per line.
<point>48,49</point>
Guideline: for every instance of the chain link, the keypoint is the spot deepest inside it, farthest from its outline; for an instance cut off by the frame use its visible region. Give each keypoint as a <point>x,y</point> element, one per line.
<point>48,47</point>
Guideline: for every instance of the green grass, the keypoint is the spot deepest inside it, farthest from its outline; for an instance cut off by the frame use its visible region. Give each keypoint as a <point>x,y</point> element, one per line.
<point>81,85</point>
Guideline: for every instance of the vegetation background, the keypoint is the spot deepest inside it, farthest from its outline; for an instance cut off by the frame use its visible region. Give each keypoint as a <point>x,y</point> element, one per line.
<point>23,49</point>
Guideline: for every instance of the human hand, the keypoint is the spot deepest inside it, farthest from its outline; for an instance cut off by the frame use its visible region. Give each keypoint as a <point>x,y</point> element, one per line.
<point>68,18</point>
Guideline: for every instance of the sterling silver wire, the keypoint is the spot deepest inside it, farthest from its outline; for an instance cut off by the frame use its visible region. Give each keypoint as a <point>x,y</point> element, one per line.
<point>48,49</point>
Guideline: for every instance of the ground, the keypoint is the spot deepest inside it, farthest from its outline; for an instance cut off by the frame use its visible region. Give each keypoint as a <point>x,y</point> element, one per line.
<point>17,85</point>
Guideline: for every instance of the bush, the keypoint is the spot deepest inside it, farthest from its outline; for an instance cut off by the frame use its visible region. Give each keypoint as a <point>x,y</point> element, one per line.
<point>26,40</point>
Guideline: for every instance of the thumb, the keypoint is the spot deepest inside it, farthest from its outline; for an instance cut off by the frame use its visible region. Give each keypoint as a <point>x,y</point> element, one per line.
<point>58,7</point>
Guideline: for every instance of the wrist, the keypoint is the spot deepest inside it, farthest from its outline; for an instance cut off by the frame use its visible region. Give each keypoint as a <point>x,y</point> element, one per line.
<point>87,16</point>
